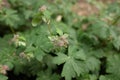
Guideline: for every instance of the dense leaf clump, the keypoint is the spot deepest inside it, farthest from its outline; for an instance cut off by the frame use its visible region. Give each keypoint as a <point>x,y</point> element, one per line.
<point>45,39</point>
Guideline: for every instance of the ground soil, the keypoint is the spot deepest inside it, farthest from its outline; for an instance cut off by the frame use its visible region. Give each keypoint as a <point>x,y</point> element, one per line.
<point>83,8</point>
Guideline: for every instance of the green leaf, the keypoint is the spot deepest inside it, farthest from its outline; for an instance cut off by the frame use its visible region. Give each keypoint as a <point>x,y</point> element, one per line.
<point>100,29</point>
<point>102,78</point>
<point>30,48</point>
<point>37,19</point>
<point>38,38</point>
<point>61,58</point>
<point>47,14</point>
<point>93,64</point>
<point>59,31</point>
<point>113,66</point>
<point>68,71</point>
<point>75,67</point>
<point>2,77</point>
<point>116,43</point>
<point>80,55</point>
<point>39,54</point>
<point>73,51</point>
<point>93,77</point>
<point>11,17</point>
<point>72,66</point>
<point>47,75</point>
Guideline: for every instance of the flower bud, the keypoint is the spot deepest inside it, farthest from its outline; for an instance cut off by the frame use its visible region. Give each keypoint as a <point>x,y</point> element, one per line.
<point>42,8</point>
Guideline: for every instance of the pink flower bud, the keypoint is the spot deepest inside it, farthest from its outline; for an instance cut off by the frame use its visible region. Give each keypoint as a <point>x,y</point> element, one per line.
<point>5,67</point>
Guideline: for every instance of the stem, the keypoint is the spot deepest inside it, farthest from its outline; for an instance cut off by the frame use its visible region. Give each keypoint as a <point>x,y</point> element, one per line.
<point>116,20</point>
<point>49,29</point>
<point>12,30</point>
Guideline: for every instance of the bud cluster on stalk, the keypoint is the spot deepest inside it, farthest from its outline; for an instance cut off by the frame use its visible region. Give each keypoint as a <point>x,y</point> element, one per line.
<point>60,41</point>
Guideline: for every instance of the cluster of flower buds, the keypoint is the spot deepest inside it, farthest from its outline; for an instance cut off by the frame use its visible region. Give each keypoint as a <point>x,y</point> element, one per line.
<point>43,8</point>
<point>4,69</point>
<point>18,40</point>
<point>22,54</point>
<point>4,3</point>
<point>60,41</point>
<point>28,56</point>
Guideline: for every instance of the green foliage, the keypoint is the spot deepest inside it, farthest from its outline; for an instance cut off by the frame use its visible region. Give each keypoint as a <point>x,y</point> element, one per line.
<point>3,77</point>
<point>113,64</point>
<point>49,41</point>
<point>46,75</point>
<point>71,65</point>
